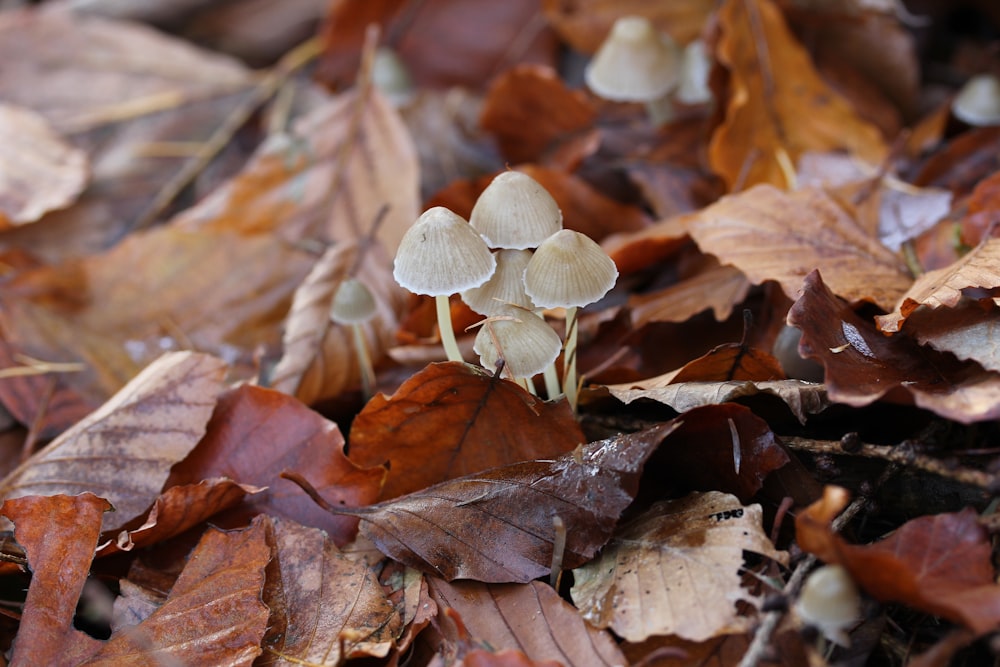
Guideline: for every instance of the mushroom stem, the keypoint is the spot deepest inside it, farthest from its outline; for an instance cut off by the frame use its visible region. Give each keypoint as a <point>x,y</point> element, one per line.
<point>364,362</point>
<point>444,325</point>
<point>660,111</point>
<point>569,358</point>
<point>552,382</point>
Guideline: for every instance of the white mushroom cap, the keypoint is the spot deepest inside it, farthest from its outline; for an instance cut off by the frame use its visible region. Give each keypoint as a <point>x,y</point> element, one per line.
<point>505,288</point>
<point>568,270</point>
<point>978,102</point>
<point>830,601</point>
<point>515,211</point>
<point>636,63</point>
<point>528,344</point>
<point>353,303</point>
<point>441,254</point>
<point>695,69</point>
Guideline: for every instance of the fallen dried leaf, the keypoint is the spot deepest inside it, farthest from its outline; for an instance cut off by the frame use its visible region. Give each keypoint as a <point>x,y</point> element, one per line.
<point>968,332</point>
<point>717,287</point>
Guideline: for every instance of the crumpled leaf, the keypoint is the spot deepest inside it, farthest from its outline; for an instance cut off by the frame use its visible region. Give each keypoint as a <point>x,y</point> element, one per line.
<point>943,287</point>
<point>968,332</point>
<point>715,286</point>
<point>497,526</point>
<point>213,615</point>
<point>675,570</point>
<point>59,534</point>
<point>254,435</point>
<point>39,171</point>
<point>777,105</point>
<point>731,361</point>
<point>326,607</point>
<point>939,564</point>
<point>773,235</point>
<point>862,365</point>
<point>125,449</point>
<point>453,419</point>
<point>530,618</point>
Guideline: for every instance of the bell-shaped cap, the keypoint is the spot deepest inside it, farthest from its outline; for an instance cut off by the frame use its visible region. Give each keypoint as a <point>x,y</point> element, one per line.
<point>695,69</point>
<point>978,102</point>
<point>526,342</point>
<point>353,303</point>
<point>569,270</point>
<point>636,63</point>
<point>441,254</point>
<point>505,288</point>
<point>515,211</point>
<point>830,602</point>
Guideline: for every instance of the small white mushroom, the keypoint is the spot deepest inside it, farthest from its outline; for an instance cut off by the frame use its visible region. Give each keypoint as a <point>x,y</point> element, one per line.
<point>353,305</point>
<point>515,211</point>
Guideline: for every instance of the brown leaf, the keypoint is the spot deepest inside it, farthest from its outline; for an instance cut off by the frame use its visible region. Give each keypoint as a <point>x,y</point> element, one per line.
<point>633,251</point>
<point>731,361</point>
<point>39,171</point>
<point>716,287</point>
<point>125,449</point>
<point>692,548</point>
<point>497,526</point>
<point>968,332</point>
<point>943,287</point>
<point>326,608</point>
<point>777,105</point>
<point>451,420</point>
<point>213,615</point>
<point>59,534</point>
<point>939,564</point>
<point>256,433</point>
<point>530,618</point>
<point>529,110</point>
<point>862,365</point>
<point>772,235</point>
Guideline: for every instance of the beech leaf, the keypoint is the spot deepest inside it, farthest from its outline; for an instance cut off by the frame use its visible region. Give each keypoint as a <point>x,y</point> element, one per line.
<point>125,449</point>
<point>675,570</point>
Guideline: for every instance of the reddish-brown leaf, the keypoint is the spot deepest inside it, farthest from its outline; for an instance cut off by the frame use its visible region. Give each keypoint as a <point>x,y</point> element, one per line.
<point>451,420</point>
<point>256,433</point>
<point>939,564</point>
<point>325,607</point>
<point>497,526</point>
<point>59,534</point>
<point>636,250</point>
<point>125,449</point>
<point>213,615</point>
<point>714,286</point>
<point>530,618</point>
<point>731,361</point>
<point>862,365</point>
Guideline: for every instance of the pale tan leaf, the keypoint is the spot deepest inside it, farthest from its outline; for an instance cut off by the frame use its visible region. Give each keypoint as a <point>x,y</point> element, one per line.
<point>326,608</point>
<point>675,570</point>
<point>39,171</point>
<point>124,450</point>
<point>980,267</point>
<point>773,235</point>
<point>802,398</point>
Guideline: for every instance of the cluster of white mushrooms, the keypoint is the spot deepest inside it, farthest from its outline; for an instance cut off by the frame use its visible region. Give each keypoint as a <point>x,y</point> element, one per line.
<point>534,265</point>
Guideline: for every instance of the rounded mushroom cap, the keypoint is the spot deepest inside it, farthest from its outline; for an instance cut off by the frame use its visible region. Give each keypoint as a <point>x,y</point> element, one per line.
<point>515,211</point>
<point>636,63</point>
<point>353,303</point>
<point>695,69</point>
<point>527,343</point>
<point>504,288</point>
<point>441,254</point>
<point>830,601</point>
<point>568,270</point>
<point>978,102</point>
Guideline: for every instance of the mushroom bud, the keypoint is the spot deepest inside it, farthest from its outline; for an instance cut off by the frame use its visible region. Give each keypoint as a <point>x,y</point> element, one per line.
<point>978,102</point>
<point>830,602</point>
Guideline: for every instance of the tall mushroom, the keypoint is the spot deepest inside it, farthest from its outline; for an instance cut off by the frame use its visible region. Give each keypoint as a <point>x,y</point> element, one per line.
<point>439,256</point>
<point>353,305</point>
<point>569,270</point>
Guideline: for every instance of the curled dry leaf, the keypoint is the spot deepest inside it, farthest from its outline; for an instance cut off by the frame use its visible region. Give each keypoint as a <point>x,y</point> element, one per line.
<point>777,105</point>
<point>39,171</point>
<point>125,449</point>
<point>530,618</point>
<point>717,287</point>
<point>213,615</point>
<point>59,534</point>
<point>943,287</point>
<point>862,365</point>
<point>636,250</point>
<point>773,235</point>
<point>967,331</point>
<point>451,420</point>
<point>497,526</point>
<point>692,548</point>
<point>256,433</point>
<point>325,608</point>
<point>939,564</point>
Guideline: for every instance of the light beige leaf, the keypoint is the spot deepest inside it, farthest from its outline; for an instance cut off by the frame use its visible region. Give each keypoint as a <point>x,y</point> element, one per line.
<point>39,171</point>
<point>124,450</point>
<point>675,570</point>
<point>980,267</point>
<point>773,235</point>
